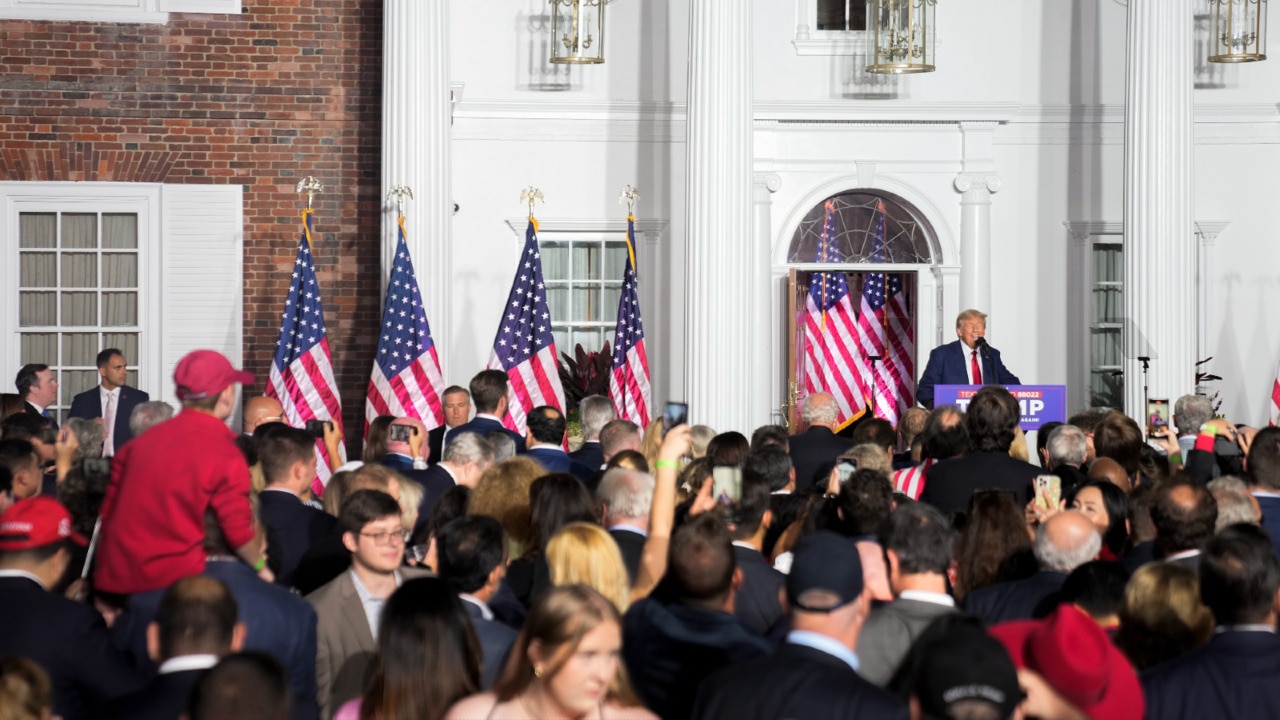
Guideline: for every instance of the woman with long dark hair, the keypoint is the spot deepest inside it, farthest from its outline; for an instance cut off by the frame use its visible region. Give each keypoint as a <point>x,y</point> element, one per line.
<point>1108,508</point>
<point>428,656</point>
<point>375,444</point>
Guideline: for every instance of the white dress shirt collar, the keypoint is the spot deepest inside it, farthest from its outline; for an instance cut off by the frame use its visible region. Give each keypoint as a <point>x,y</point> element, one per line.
<point>183,663</point>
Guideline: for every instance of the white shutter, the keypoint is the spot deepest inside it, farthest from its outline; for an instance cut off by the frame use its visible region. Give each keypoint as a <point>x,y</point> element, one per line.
<point>202,263</point>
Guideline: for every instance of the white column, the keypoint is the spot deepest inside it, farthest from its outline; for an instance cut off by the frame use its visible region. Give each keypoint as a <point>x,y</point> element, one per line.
<point>765,374</point>
<point>1159,239</point>
<point>976,183</point>
<point>416,152</point>
<point>720,331</point>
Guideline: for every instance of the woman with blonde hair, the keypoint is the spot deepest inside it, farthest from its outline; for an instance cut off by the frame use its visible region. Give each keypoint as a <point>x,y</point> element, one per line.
<point>566,663</point>
<point>502,493</point>
<point>1162,616</point>
<point>584,553</point>
<point>652,441</point>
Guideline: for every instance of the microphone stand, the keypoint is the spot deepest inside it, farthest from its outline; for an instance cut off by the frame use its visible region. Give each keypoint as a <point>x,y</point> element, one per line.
<point>874,385</point>
<point>986,362</point>
<point>1146,401</point>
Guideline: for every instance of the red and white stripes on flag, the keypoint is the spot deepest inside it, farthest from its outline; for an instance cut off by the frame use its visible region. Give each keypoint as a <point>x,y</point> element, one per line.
<point>524,347</point>
<point>406,379</point>
<point>629,383</point>
<point>831,362</point>
<point>885,331</point>
<point>1275,399</point>
<point>910,481</point>
<point>302,370</point>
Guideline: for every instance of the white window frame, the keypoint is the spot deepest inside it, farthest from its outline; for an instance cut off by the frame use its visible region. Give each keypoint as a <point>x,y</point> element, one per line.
<point>809,40</point>
<point>122,11</point>
<point>59,197</point>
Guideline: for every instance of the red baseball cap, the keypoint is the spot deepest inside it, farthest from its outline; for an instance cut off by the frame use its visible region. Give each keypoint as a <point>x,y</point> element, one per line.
<point>205,373</point>
<point>34,523</point>
<point>1075,656</point>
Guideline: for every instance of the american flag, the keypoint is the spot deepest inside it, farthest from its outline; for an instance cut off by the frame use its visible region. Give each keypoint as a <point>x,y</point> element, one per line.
<point>885,329</point>
<point>524,347</point>
<point>1275,400</point>
<point>830,329</point>
<point>629,384</point>
<point>302,371</point>
<point>910,481</point>
<point>406,379</point>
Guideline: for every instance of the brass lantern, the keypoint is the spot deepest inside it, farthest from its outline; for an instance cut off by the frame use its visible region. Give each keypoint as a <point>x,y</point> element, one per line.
<point>577,31</point>
<point>901,36</point>
<point>1237,31</point>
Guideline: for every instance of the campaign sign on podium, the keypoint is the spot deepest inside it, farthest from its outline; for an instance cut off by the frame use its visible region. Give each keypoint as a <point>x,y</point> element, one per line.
<point>1040,403</point>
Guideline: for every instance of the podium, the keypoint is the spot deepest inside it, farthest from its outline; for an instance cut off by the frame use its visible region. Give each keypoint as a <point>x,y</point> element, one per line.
<point>1040,403</point>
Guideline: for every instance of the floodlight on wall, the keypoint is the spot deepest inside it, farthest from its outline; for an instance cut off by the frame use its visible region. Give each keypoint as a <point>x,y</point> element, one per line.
<point>1237,31</point>
<point>901,36</point>
<point>577,32</point>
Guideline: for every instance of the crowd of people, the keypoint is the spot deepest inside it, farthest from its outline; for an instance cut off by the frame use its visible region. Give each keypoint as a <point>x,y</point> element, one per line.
<point>164,567</point>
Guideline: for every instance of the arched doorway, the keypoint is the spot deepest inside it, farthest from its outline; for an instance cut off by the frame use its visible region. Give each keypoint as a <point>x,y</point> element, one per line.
<point>856,262</point>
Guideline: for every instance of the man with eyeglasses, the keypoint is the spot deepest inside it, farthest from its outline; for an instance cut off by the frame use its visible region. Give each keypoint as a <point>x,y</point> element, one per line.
<point>348,607</point>
<point>259,410</point>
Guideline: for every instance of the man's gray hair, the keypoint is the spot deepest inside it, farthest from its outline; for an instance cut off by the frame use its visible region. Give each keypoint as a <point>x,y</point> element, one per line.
<point>504,447</point>
<point>625,493</point>
<point>468,447</point>
<point>1190,412</point>
<point>1235,506</point>
<point>595,411</point>
<point>1067,445</point>
<point>147,415</point>
<point>90,435</point>
<point>820,408</point>
<point>869,456</point>
<point>619,435</point>
<point>1064,559</point>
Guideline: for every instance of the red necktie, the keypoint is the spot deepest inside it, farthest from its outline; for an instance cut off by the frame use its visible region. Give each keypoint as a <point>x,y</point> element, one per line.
<point>977,369</point>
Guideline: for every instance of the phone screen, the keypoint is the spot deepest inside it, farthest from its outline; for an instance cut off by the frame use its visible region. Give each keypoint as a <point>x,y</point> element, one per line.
<point>399,433</point>
<point>1157,416</point>
<point>726,485</point>
<point>677,413</point>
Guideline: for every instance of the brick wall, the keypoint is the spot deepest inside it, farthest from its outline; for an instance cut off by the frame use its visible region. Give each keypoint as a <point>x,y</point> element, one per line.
<point>288,88</point>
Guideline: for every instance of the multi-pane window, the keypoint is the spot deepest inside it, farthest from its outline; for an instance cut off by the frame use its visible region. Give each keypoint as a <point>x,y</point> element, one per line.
<point>583,276</point>
<point>842,15</point>
<point>77,293</point>
<point>1106,359</point>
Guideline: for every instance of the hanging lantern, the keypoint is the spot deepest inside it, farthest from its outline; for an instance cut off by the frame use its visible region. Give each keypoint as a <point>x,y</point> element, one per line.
<point>577,31</point>
<point>901,36</point>
<point>1237,31</point>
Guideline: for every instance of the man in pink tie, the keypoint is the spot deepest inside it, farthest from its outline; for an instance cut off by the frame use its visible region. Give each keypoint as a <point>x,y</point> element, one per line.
<point>966,361</point>
<point>112,400</point>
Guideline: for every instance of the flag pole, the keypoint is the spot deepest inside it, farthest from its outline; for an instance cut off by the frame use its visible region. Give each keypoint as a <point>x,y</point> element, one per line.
<point>532,195</point>
<point>398,193</point>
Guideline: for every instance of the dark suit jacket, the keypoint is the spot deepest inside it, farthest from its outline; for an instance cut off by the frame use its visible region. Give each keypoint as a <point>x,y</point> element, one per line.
<point>813,454</point>
<point>669,649</point>
<point>88,405</point>
<point>1231,677</point>
<point>495,639</point>
<point>557,460</point>
<point>589,454</point>
<point>1271,519</point>
<point>952,482</point>
<point>1072,477</point>
<point>487,425</point>
<point>277,622</point>
<point>435,445</point>
<point>292,528</point>
<point>631,544</point>
<point>1028,599</point>
<point>889,633</point>
<point>756,604</point>
<point>1139,555</point>
<point>948,365</point>
<point>166,697</point>
<point>796,682</point>
<point>32,411</point>
<point>70,641</point>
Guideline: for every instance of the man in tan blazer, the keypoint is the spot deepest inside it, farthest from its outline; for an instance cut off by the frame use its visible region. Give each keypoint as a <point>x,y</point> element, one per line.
<point>348,607</point>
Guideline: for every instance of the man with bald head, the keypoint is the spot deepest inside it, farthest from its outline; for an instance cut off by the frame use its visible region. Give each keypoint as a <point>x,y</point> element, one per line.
<point>814,451</point>
<point>1110,471</point>
<point>1184,514</point>
<point>1064,542</point>
<point>259,410</point>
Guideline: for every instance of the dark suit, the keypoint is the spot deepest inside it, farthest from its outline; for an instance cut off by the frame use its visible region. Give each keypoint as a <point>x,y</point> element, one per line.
<point>292,528</point>
<point>69,641</point>
<point>1139,555</point>
<point>888,634</point>
<point>166,697</point>
<point>554,459</point>
<point>495,639</point>
<point>435,481</point>
<point>483,426</point>
<point>756,604</point>
<point>435,445</point>
<point>1270,507</point>
<point>1072,477</point>
<point>948,365</point>
<point>88,406</point>
<point>1032,598</point>
<point>813,454</point>
<point>796,682</point>
<point>589,454</point>
<point>276,622</point>
<point>952,482</point>
<point>631,545</point>
<point>1231,677</point>
<point>33,411</point>
<point>669,649</point>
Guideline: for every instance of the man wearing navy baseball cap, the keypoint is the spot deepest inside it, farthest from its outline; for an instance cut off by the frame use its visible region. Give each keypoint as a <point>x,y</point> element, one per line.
<point>68,640</point>
<point>815,673</point>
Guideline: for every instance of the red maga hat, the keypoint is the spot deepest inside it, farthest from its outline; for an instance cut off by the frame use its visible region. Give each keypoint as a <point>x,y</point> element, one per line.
<point>205,373</point>
<point>34,523</point>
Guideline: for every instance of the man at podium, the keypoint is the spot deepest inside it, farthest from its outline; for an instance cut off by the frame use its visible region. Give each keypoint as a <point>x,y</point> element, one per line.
<point>967,361</point>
